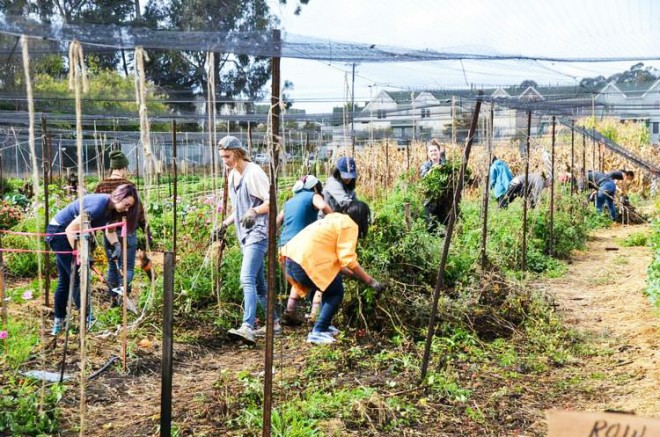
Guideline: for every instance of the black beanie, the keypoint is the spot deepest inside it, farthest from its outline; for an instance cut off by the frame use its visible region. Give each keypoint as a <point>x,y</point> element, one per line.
<point>118,160</point>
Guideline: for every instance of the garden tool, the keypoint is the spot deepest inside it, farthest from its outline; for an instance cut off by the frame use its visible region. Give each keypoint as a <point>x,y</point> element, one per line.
<point>119,291</point>
<point>147,265</point>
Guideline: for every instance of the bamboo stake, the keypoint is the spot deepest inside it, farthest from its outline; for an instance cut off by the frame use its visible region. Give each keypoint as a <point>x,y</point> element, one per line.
<point>124,315</point>
<point>84,305</point>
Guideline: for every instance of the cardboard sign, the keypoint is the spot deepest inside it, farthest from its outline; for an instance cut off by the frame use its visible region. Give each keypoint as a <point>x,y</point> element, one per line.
<point>580,424</point>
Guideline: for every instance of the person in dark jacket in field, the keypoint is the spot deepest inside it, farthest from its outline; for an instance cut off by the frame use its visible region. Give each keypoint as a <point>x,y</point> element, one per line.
<point>535,185</point>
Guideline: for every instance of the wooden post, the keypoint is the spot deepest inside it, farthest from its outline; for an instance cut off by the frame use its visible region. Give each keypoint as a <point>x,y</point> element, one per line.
<point>523,264</point>
<point>453,214</point>
<point>573,172</point>
<point>175,188</point>
<point>272,229</point>
<point>486,191</point>
<point>168,344</point>
<point>45,163</point>
<point>551,235</point>
<point>584,162</point>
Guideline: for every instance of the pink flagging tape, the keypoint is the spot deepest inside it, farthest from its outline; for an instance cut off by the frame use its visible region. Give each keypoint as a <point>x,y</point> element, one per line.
<point>60,252</point>
<point>42,234</point>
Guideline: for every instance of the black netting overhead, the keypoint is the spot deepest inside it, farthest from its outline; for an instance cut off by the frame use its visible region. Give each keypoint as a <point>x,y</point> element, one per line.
<point>110,37</point>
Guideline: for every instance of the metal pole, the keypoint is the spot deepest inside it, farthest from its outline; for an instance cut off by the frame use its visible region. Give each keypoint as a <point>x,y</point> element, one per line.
<point>484,199</point>
<point>168,342</point>
<point>523,264</point>
<point>440,283</point>
<point>272,249</point>
<point>551,235</point>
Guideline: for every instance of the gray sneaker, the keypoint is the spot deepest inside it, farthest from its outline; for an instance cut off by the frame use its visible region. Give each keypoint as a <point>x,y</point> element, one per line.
<point>244,334</point>
<point>261,332</point>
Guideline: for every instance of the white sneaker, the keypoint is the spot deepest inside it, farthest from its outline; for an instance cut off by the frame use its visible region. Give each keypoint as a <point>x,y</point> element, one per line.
<point>261,332</point>
<point>320,338</point>
<point>333,331</point>
<point>244,334</point>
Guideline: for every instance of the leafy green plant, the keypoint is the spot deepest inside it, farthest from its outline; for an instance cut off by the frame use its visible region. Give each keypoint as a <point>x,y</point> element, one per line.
<point>636,239</point>
<point>21,409</point>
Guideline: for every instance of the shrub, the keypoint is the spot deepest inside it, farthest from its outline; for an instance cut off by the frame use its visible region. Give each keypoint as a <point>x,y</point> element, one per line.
<point>10,214</point>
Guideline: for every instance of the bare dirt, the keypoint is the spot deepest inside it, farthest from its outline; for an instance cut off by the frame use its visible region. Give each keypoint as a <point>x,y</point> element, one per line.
<point>601,296</point>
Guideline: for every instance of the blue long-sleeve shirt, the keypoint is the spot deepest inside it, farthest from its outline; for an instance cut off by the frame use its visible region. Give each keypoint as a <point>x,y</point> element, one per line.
<point>500,177</point>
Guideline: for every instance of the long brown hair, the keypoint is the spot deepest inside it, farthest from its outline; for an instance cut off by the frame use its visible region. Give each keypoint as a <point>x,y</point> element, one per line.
<point>120,193</point>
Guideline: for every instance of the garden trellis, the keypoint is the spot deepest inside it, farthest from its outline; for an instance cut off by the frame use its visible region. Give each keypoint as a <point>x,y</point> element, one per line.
<point>108,37</point>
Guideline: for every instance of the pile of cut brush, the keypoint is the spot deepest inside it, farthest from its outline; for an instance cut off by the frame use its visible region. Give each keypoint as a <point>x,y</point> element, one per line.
<point>628,215</point>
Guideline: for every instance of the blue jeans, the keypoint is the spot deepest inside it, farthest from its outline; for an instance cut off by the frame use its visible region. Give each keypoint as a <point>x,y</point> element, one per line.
<point>605,196</point>
<point>114,275</point>
<point>332,296</point>
<point>253,280</point>
<point>63,261</point>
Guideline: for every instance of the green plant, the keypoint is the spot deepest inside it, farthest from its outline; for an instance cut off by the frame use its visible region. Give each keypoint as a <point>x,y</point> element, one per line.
<point>10,214</point>
<point>23,409</point>
<point>636,239</point>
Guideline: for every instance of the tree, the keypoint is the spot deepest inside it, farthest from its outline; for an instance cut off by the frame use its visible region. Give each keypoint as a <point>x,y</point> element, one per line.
<point>637,74</point>
<point>238,76</point>
<point>527,83</point>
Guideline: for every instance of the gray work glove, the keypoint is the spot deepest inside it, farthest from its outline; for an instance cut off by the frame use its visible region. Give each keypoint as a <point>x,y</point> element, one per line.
<point>378,287</point>
<point>116,252</point>
<point>249,219</point>
<point>218,233</point>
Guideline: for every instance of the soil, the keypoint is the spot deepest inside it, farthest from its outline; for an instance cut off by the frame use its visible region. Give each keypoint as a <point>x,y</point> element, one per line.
<point>600,296</point>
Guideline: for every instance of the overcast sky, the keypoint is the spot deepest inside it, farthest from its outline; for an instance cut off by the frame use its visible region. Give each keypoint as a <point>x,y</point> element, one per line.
<point>550,28</point>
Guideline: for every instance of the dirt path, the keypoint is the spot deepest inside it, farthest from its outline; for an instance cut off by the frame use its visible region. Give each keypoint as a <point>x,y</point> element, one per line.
<point>601,296</point>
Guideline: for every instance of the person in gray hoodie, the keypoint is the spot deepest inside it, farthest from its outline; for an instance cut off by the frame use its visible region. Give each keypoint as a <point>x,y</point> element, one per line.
<point>535,185</point>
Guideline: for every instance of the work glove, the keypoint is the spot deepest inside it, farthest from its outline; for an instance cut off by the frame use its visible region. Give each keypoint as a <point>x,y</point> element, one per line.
<point>116,252</point>
<point>249,219</point>
<point>218,233</point>
<point>378,287</point>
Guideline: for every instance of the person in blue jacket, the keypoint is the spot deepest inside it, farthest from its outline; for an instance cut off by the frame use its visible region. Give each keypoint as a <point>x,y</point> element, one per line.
<point>500,178</point>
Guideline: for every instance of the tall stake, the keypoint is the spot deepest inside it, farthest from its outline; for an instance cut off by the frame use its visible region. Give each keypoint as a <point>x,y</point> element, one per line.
<point>551,235</point>
<point>3,299</point>
<point>584,162</point>
<point>168,342</point>
<point>45,162</point>
<point>453,214</point>
<point>523,263</point>
<point>124,275</point>
<point>484,199</point>
<point>85,313</point>
<point>573,173</point>
<point>175,188</point>
<point>272,249</point>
